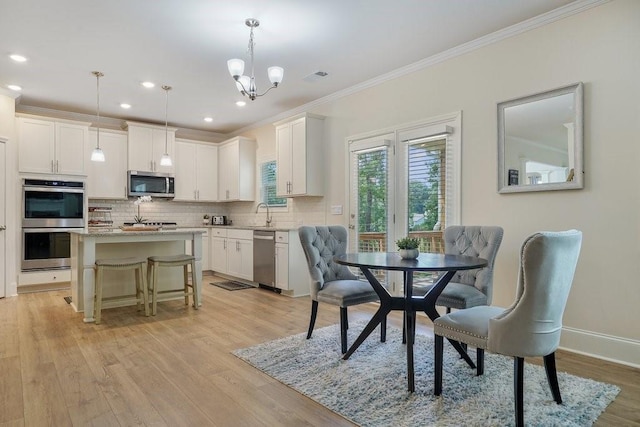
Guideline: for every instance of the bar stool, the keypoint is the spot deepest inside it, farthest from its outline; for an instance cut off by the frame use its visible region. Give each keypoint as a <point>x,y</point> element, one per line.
<point>184,261</point>
<point>138,267</point>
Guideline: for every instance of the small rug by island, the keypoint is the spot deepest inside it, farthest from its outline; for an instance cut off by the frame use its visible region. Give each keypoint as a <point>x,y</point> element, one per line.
<point>232,286</point>
<point>370,389</point>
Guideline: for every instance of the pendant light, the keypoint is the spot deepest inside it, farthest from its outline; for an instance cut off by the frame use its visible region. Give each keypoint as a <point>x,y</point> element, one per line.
<point>165,160</point>
<point>97,155</point>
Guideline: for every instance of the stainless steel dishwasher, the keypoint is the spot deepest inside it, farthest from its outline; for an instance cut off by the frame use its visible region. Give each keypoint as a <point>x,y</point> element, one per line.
<point>264,258</point>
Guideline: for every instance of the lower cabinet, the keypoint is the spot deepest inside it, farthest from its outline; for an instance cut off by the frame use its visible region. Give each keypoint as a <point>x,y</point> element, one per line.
<point>232,252</point>
<point>282,266</point>
<point>218,261</point>
<point>232,255</point>
<point>240,256</point>
<point>292,274</point>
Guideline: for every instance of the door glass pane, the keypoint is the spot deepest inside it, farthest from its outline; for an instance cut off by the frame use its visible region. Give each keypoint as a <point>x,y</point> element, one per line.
<point>372,201</point>
<point>426,198</point>
<point>372,195</point>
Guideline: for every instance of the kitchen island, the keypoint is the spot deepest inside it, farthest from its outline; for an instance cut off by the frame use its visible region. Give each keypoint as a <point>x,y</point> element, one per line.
<point>86,247</point>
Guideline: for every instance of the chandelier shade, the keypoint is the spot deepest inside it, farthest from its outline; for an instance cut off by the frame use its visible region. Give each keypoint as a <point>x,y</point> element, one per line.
<point>246,85</point>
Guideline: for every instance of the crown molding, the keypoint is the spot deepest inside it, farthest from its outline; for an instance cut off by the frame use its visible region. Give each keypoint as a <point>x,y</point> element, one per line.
<point>570,9</point>
<point>10,93</point>
<point>116,124</point>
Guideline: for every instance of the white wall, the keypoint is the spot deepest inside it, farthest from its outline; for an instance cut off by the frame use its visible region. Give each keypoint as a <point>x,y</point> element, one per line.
<point>7,130</point>
<point>601,48</point>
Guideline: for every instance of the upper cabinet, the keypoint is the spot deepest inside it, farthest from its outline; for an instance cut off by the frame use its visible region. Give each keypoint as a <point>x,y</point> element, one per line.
<point>299,156</point>
<point>147,145</point>
<point>237,170</point>
<point>108,179</point>
<point>51,147</point>
<point>196,171</point>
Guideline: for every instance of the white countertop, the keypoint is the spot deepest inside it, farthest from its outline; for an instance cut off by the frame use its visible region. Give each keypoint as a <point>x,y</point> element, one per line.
<point>253,227</point>
<point>119,232</point>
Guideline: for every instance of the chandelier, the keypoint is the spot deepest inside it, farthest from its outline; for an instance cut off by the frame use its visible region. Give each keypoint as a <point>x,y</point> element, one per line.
<point>245,84</point>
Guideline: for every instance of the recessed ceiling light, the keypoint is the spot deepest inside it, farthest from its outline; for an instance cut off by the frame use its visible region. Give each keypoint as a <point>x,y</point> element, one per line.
<point>208,119</point>
<point>148,85</point>
<point>14,87</point>
<point>18,58</point>
<point>125,106</point>
<point>241,103</point>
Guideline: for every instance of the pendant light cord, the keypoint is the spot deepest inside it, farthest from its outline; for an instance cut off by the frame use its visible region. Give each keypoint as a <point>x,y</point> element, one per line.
<point>166,119</point>
<point>98,74</point>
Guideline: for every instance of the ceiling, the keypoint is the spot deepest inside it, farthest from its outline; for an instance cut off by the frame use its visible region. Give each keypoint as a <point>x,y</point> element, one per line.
<point>186,44</point>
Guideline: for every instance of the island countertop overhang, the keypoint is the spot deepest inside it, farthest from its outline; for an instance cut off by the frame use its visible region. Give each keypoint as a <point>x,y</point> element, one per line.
<point>119,233</point>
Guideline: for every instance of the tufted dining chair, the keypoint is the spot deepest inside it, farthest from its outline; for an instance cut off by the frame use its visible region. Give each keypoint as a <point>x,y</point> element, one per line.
<point>531,326</point>
<point>469,288</point>
<point>331,282</point>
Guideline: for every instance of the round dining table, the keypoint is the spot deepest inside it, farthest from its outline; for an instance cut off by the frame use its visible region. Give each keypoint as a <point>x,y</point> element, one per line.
<point>445,263</point>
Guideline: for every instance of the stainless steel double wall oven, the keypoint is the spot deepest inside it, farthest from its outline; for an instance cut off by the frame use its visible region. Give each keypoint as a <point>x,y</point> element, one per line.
<point>50,209</point>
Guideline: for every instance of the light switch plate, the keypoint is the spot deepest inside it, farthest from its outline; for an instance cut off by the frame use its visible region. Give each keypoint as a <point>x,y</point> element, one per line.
<point>336,210</point>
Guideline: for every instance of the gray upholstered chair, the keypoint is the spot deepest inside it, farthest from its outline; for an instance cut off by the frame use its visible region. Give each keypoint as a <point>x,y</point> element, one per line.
<point>333,283</point>
<point>532,325</point>
<point>469,288</point>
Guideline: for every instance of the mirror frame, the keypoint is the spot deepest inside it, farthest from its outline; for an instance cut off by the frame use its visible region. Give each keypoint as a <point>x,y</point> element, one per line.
<point>578,180</point>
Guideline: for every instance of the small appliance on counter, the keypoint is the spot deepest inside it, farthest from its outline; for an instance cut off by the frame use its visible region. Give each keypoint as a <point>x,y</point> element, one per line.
<point>220,220</point>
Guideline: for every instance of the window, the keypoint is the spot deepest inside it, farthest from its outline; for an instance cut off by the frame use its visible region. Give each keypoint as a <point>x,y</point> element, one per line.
<point>268,185</point>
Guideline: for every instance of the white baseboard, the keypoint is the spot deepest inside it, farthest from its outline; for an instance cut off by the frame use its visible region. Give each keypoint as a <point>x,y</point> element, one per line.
<point>601,346</point>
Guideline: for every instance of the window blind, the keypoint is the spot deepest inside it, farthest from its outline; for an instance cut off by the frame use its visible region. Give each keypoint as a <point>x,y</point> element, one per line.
<point>268,185</point>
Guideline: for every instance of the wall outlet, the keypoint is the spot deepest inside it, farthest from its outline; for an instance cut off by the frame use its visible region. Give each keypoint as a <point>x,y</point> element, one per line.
<point>336,210</point>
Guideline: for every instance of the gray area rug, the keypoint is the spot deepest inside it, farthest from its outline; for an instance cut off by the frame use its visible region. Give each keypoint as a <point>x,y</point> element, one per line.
<point>231,286</point>
<point>370,388</point>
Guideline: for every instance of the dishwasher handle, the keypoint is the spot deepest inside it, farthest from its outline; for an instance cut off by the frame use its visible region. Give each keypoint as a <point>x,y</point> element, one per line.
<point>258,237</point>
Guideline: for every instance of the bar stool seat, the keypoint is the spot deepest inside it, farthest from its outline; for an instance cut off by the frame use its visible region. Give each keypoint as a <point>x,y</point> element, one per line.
<point>184,261</point>
<point>137,265</point>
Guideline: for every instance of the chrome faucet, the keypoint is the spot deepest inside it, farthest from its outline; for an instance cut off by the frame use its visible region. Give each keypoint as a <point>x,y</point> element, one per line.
<point>268,221</point>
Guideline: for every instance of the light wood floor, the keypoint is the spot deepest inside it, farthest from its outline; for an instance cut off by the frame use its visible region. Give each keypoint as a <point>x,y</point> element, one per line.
<point>176,368</point>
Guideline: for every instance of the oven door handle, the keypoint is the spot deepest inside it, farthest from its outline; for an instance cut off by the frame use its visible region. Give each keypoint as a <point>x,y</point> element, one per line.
<point>52,189</point>
<point>50,230</point>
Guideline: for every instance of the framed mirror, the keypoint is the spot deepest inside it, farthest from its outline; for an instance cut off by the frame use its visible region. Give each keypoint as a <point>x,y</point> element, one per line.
<point>540,141</point>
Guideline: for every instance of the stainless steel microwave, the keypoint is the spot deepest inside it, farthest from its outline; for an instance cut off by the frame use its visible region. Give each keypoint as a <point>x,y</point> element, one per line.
<point>155,184</point>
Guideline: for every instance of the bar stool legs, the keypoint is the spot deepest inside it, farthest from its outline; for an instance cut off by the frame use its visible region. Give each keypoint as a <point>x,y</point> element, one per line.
<point>135,264</point>
<point>184,261</point>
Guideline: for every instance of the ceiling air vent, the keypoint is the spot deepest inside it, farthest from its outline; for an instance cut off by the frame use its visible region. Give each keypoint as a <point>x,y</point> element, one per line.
<point>315,76</point>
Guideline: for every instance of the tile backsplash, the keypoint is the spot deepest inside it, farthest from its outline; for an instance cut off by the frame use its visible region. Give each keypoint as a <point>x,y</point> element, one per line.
<point>306,210</point>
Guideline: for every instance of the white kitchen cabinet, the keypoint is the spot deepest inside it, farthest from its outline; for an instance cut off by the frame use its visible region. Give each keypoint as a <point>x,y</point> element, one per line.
<point>196,171</point>
<point>108,179</point>
<point>299,156</point>
<point>232,252</point>
<point>240,253</point>
<point>237,170</point>
<point>292,274</point>
<point>51,147</point>
<point>282,266</point>
<point>218,262</point>
<point>147,145</point>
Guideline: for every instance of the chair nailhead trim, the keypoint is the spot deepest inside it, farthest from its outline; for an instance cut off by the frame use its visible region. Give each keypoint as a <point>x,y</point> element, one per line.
<point>459,331</point>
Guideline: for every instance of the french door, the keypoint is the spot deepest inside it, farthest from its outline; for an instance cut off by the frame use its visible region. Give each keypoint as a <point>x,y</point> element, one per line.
<point>405,182</point>
<point>372,197</point>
